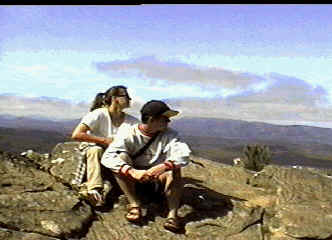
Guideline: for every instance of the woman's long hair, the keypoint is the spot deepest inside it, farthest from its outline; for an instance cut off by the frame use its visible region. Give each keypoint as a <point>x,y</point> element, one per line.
<point>105,99</point>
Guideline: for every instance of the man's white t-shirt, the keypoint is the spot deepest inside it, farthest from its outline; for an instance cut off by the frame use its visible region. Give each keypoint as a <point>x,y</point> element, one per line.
<point>166,147</point>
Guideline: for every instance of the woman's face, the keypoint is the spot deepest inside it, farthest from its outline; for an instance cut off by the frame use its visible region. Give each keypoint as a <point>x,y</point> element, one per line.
<point>123,98</point>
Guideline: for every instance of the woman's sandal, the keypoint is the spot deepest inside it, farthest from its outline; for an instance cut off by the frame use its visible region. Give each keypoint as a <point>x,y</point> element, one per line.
<point>93,197</point>
<point>173,225</point>
<point>134,214</point>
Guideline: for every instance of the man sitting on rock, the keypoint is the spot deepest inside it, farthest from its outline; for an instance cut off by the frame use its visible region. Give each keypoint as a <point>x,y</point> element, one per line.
<point>149,152</point>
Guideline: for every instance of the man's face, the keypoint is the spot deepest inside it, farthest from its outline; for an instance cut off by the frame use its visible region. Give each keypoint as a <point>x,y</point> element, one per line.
<point>159,123</point>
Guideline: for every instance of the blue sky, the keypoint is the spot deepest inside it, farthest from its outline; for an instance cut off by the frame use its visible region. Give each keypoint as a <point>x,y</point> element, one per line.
<point>268,63</point>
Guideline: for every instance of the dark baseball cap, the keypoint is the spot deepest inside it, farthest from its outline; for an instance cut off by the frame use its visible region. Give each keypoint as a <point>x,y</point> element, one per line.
<point>156,108</point>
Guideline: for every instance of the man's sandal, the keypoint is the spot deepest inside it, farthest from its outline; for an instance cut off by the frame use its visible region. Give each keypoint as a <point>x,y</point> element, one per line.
<point>173,225</point>
<point>134,213</point>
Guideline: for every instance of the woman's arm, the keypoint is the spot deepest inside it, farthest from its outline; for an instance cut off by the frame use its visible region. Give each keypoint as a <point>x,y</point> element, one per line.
<point>80,134</point>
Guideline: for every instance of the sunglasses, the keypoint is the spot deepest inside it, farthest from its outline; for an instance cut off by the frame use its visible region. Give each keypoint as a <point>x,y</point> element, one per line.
<point>125,95</point>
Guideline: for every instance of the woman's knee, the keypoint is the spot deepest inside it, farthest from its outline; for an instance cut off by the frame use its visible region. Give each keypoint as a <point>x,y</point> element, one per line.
<point>95,151</point>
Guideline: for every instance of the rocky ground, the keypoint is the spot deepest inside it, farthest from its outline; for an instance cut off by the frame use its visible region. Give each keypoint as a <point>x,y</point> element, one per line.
<point>38,202</point>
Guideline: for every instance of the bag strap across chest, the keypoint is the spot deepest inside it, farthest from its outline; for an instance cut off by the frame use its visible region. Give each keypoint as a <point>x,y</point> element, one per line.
<point>146,146</point>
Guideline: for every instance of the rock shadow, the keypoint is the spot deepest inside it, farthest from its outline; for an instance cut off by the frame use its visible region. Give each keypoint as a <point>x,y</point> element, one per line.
<point>203,202</point>
<point>198,203</point>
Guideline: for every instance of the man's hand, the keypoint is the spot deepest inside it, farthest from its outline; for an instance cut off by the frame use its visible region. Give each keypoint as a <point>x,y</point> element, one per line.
<point>139,175</point>
<point>156,171</point>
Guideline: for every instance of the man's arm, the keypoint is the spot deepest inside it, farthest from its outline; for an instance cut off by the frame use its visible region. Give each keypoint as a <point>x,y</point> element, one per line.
<point>155,171</point>
<point>120,163</point>
<point>134,174</point>
<point>117,157</point>
<point>177,156</point>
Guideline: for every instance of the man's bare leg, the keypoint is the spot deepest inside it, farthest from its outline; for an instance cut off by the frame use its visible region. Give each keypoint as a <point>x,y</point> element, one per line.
<point>128,188</point>
<point>173,188</point>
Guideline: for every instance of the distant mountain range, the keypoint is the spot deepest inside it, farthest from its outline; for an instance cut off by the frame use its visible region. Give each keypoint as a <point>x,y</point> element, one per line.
<point>229,128</point>
<point>63,127</point>
<point>224,139</point>
<point>202,127</point>
<point>217,139</point>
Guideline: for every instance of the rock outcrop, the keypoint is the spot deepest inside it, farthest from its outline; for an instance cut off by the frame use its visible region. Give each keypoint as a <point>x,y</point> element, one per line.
<point>38,202</point>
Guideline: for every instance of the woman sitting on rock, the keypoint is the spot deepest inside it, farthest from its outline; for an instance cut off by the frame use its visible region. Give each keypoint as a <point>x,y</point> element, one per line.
<point>97,130</point>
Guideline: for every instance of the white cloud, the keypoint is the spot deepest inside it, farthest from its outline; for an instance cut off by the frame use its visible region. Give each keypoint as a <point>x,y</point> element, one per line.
<point>42,107</point>
<point>153,70</point>
<point>272,97</point>
<point>284,100</point>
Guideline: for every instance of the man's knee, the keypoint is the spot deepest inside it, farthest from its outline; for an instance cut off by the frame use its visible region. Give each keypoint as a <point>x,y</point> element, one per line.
<point>172,177</point>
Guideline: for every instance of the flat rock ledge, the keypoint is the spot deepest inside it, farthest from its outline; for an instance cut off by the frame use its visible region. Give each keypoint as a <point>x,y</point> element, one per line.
<point>38,202</point>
